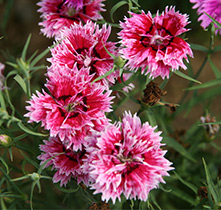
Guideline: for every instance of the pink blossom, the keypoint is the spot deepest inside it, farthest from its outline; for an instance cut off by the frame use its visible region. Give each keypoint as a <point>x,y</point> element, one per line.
<point>154,42</point>
<point>73,107</point>
<point>127,159</point>
<point>67,163</point>
<point>212,8</point>
<point>57,14</point>
<point>84,45</point>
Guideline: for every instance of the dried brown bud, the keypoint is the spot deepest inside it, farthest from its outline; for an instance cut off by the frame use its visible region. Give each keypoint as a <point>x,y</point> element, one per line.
<point>152,93</point>
<point>99,206</point>
<point>211,129</point>
<point>203,192</point>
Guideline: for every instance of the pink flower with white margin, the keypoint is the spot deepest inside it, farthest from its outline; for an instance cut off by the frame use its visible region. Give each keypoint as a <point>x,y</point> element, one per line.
<point>154,42</point>
<point>57,14</point>
<point>73,108</point>
<point>127,159</point>
<point>67,163</point>
<point>84,45</point>
<point>212,8</point>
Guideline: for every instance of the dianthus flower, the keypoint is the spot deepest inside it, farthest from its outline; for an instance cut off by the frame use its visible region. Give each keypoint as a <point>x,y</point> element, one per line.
<point>212,8</point>
<point>67,163</point>
<point>84,45</point>
<point>72,108</point>
<point>154,42</point>
<point>57,14</point>
<point>127,159</point>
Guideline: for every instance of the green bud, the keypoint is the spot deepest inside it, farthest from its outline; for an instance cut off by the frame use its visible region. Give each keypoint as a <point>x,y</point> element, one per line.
<point>35,176</point>
<point>119,61</point>
<point>5,140</point>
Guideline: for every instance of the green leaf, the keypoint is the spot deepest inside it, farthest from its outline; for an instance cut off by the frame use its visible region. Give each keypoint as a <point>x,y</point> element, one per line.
<point>5,164</point>
<point>206,84</point>
<point>27,130</point>
<point>39,57</point>
<point>189,185</point>
<point>214,21</point>
<point>24,52</point>
<point>210,183</point>
<point>199,47</point>
<point>115,7</point>
<point>21,82</point>
<point>179,73</point>
<point>178,147</point>
<point>29,160</point>
<point>103,76</point>
<point>216,71</point>
<point>211,123</point>
<point>2,101</point>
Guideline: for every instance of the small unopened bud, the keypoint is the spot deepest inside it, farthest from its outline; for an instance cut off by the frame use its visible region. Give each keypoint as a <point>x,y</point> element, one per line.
<point>5,140</point>
<point>119,61</point>
<point>35,176</point>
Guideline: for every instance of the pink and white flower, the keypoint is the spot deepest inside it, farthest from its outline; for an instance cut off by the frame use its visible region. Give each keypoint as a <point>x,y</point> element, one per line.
<point>84,45</point>
<point>212,8</point>
<point>57,14</point>
<point>67,163</point>
<point>154,42</point>
<point>73,108</point>
<point>127,159</point>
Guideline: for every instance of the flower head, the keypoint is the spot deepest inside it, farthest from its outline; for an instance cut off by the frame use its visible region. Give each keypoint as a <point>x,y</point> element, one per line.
<point>57,14</point>
<point>154,42</point>
<point>73,108</point>
<point>212,8</point>
<point>84,45</point>
<point>66,162</point>
<point>127,159</point>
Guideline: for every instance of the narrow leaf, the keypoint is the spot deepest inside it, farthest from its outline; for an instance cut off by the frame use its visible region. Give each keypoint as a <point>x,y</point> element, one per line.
<point>206,84</point>
<point>5,164</point>
<point>214,21</point>
<point>27,130</point>
<point>25,48</point>
<point>39,57</point>
<point>2,101</point>
<point>21,82</point>
<point>198,47</point>
<point>210,183</point>
<point>189,185</point>
<point>216,71</point>
<point>115,7</point>
<point>29,160</point>
<point>179,73</point>
<point>178,147</point>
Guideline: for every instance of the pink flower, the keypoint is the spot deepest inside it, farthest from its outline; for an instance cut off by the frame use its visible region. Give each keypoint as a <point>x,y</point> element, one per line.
<point>57,14</point>
<point>73,108</point>
<point>127,159</point>
<point>67,163</point>
<point>212,8</point>
<point>154,42</point>
<point>84,45</point>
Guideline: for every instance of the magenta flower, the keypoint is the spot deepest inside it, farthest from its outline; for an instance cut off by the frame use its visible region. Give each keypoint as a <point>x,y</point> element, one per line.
<point>84,45</point>
<point>154,42</point>
<point>127,159</point>
<point>67,163</point>
<point>212,8</point>
<point>57,14</point>
<point>73,108</point>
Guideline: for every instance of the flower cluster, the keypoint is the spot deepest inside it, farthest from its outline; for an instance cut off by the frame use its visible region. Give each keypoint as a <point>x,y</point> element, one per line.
<point>208,7</point>
<point>113,159</point>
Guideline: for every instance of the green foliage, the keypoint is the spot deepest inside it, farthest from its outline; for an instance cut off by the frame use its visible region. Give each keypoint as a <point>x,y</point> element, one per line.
<point>25,184</point>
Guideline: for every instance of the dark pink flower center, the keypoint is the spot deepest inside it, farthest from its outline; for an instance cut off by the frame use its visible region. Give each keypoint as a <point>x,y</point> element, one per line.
<point>72,106</point>
<point>157,38</point>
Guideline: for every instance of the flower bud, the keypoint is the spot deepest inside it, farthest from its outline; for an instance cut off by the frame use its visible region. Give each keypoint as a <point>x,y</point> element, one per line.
<point>5,140</point>
<point>119,61</point>
<point>35,176</point>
